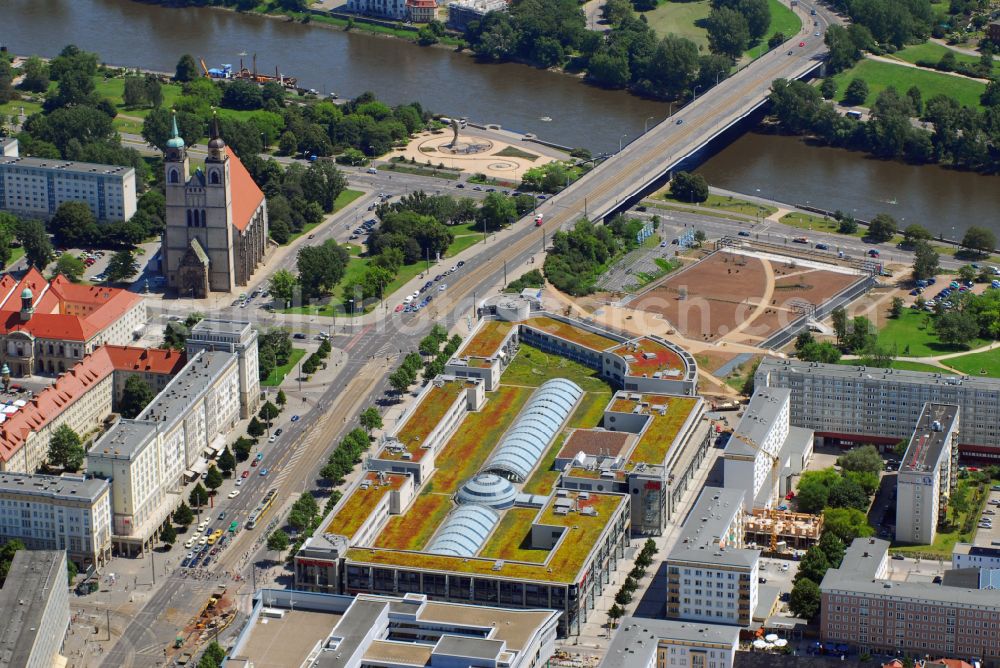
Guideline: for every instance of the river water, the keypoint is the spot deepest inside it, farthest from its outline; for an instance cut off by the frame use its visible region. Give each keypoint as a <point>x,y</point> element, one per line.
<point>516,97</point>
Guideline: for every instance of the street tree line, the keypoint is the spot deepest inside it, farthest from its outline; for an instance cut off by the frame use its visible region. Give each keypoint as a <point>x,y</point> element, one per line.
<point>578,257</point>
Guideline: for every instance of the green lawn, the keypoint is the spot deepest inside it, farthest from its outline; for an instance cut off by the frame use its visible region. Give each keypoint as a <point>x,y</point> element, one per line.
<point>975,363</point>
<point>115,88</point>
<point>14,107</point>
<point>278,374</point>
<point>730,204</point>
<point>903,364</point>
<point>514,152</point>
<point>533,367</point>
<point>590,411</point>
<point>944,541</point>
<point>783,20</point>
<point>680,18</point>
<point>932,51</point>
<point>881,75</point>
<point>15,255</point>
<point>812,222</point>
<point>914,336</point>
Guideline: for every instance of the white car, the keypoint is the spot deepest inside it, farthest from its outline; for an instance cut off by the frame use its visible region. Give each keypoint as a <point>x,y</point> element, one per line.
<point>189,542</point>
<point>272,439</point>
<point>203,540</point>
<point>233,494</point>
<point>239,481</point>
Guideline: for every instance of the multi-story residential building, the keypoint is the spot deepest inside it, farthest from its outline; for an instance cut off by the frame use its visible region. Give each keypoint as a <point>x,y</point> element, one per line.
<point>711,576</point>
<point>926,474</point>
<point>386,9</point>
<point>857,404</point>
<point>421,11</point>
<point>641,642</point>
<point>9,147</point>
<point>48,326</point>
<point>860,607</point>
<point>232,337</point>
<point>67,512</point>
<point>764,451</point>
<point>462,12</point>
<point>146,459</point>
<point>35,187</point>
<point>966,555</point>
<point>35,604</point>
<point>82,398</point>
<point>369,631</point>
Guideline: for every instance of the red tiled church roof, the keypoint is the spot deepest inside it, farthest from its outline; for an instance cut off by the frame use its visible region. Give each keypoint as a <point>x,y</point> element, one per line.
<point>247,197</point>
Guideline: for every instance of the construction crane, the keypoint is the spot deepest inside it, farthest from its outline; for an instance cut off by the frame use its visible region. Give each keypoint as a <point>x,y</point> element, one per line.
<point>204,67</point>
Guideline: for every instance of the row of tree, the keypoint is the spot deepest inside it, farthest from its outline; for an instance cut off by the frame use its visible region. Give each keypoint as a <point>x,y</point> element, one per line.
<point>624,595</point>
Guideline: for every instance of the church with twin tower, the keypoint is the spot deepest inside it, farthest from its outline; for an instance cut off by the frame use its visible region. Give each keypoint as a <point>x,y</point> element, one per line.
<point>216,227</point>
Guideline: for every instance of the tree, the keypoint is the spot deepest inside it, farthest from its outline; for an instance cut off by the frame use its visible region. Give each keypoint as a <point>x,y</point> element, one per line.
<point>122,266</point>
<point>304,511</point>
<point>828,88</point>
<point>839,318</point>
<point>241,448</point>
<point>864,458</point>
<point>371,419</point>
<point>758,16</point>
<point>688,187</point>
<point>846,523</point>
<point>857,92</point>
<point>497,211</point>
<point>35,75</point>
<point>813,565</point>
<point>281,399</point>
<point>73,224</point>
<point>242,95</point>
<point>277,541</point>
<point>168,535</point>
<point>926,261</point>
<point>400,380</point>
<point>967,273</point>
<point>187,69</point>
<point>134,94</point>
<point>979,240</point>
<point>321,268</point>
<point>214,655</point>
<point>213,480</point>
<point>862,334</point>
<point>227,462</point>
<point>956,327</point>
<point>268,412</point>
<point>728,32</point>
<point>615,613</point>
<point>183,515</point>
<point>812,497</point>
<point>915,232</point>
<point>896,309</point>
<point>255,428</point>
<point>70,266</point>
<point>833,548</point>
<point>848,493</point>
<point>805,599</point>
<point>198,496</point>
<point>66,449</point>
<point>136,396</point>
<point>882,228</point>
<point>282,286</point>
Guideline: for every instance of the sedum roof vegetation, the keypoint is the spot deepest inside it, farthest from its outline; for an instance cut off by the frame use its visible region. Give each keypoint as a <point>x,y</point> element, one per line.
<point>425,416</point>
<point>360,504</point>
<point>563,565</point>
<point>413,529</point>
<point>571,333</point>
<point>660,434</point>
<point>487,339</point>
<point>665,357</point>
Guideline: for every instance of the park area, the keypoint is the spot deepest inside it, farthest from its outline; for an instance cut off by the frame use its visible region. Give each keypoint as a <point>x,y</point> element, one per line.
<point>728,292</point>
<point>881,75</point>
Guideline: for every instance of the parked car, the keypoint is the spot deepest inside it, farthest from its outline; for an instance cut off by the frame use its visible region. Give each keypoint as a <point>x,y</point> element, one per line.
<point>743,233</point>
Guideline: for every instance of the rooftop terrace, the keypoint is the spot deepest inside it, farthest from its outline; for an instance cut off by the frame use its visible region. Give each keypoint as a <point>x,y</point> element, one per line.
<point>571,333</point>
<point>360,504</point>
<point>562,566</point>
<point>424,417</point>
<point>487,340</point>
<point>648,356</point>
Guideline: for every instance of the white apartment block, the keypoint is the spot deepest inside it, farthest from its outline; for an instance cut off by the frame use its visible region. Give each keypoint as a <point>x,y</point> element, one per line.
<point>711,576</point>
<point>36,187</point>
<point>926,474</point>
<point>67,512</point>
<point>642,642</point>
<point>967,555</point>
<point>35,601</point>
<point>146,459</point>
<point>387,9</point>
<point>856,404</point>
<point>231,337</point>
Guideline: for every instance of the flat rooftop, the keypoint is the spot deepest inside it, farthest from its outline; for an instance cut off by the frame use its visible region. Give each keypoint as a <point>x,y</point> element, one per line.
<point>667,415</point>
<point>851,372</point>
<point>567,331</point>
<point>929,438</point>
<point>424,417</point>
<point>193,380</point>
<point>63,488</point>
<point>362,501</point>
<point>635,642</point>
<point>648,356</point>
<point>125,439</point>
<point>707,532</point>
<point>66,166</point>
<point>24,598</point>
<point>757,422</point>
<point>279,643</point>
<point>563,564</point>
<point>595,443</point>
<point>487,339</point>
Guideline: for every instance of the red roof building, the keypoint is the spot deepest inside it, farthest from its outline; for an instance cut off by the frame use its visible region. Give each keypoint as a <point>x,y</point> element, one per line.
<point>421,11</point>
<point>48,326</point>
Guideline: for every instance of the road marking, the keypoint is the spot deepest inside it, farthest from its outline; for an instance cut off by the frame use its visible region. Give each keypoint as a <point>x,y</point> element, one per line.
<point>357,337</point>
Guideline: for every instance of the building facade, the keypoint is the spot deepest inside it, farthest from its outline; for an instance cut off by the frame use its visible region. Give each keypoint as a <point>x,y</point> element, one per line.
<point>711,576</point>
<point>641,642</point>
<point>216,226</point>
<point>860,607</point>
<point>461,13</point>
<point>926,474</point>
<point>35,601</point>
<point>35,187</point>
<point>386,9</point>
<point>67,512</point>
<point>146,459</point>
<point>856,404</point>
<point>966,555</point>
<point>234,337</point>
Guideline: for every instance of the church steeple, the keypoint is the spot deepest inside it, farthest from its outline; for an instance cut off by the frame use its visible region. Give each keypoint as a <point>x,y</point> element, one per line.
<point>175,145</point>
<point>216,146</point>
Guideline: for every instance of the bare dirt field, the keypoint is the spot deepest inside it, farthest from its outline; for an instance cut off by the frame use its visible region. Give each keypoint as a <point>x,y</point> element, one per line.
<point>741,298</point>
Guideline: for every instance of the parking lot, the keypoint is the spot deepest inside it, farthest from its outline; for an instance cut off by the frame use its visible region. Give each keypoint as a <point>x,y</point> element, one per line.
<point>989,536</point>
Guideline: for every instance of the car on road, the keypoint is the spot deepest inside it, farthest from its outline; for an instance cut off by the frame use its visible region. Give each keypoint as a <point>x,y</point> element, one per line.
<point>479,188</point>
<point>460,264</point>
<point>898,557</point>
<point>680,121</point>
<point>822,246</point>
<point>260,456</point>
<point>816,34</point>
<point>541,197</point>
<point>233,494</point>
<point>399,307</point>
<point>245,474</point>
<point>801,240</point>
<point>443,287</point>
<point>802,43</point>
<point>762,580</point>
<point>222,515</point>
<point>372,170</point>
<point>459,185</point>
<point>273,438</point>
<point>873,252</point>
<point>264,472</point>
<point>791,53</point>
<point>189,542</point>
<point>295,418</point>
<point>743,233</point>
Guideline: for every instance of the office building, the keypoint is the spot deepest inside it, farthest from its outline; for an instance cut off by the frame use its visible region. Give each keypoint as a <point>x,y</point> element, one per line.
<point>234,337</point>
<point>711,576</point>
<point>216,225</point>
<point>82,398</point>
<point>765,451</point>
<point>641,642</point>
<point>862,608</point>
<point>48,326</point>
<point>67,512</point>
<point>290,628</point>
<point>853,405</point>
<point>35,187</point>
<point>35,604</point>
<point>926,474</point>
<point>146,459</point>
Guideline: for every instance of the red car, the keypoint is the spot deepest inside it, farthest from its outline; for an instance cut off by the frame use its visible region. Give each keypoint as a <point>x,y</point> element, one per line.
<point>789,496</point>
<point>802,43</point>
<point>246,474</point>
<point>399,308</point>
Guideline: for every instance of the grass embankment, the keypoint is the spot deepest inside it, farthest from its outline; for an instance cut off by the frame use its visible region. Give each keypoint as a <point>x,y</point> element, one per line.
<point>729,204</point>
<point>278,373</point>
<point>681,18</point>
<point>977,364</point>
<point>783,20</point>
<point>913,336</point>
<point>932,52</point>
<point>880,75</point>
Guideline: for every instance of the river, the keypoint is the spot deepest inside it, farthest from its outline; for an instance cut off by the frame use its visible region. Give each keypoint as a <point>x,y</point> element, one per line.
<point>516,97</point>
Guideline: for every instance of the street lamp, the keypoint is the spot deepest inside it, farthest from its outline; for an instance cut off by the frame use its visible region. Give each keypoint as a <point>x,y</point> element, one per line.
<point>696,92</point>
<point>645,125</point>
<point>620,142</point>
